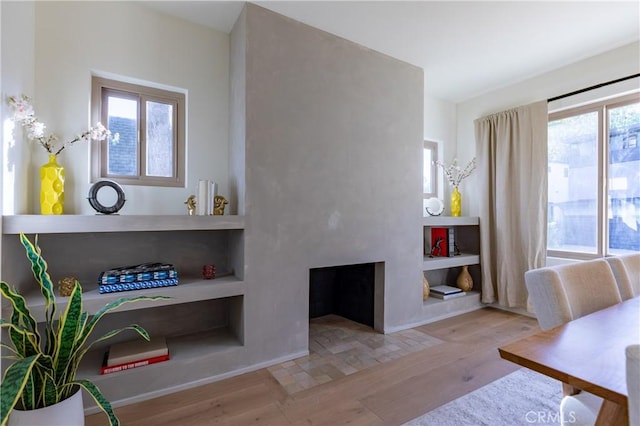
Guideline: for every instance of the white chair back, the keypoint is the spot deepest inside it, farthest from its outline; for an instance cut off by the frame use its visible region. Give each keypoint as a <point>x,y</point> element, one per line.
<point>563,293</point>
<point>626,269</point>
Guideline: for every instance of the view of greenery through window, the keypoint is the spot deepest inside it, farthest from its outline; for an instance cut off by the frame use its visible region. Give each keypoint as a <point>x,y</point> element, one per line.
<point>585,216</point>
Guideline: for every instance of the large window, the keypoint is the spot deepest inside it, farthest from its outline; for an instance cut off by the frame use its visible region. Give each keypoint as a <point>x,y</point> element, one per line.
<point>594,179</point>
<point>150,123</point>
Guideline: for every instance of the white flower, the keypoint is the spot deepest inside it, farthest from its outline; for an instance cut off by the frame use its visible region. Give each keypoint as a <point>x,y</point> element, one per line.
<point>23,113</point>
<point>99,132</point>
<point>22,108</point>
<point>35,130</point>
<point>454,174</point>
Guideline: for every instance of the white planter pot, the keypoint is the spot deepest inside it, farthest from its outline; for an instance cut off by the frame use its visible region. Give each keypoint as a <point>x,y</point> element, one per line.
<point>69,412</point>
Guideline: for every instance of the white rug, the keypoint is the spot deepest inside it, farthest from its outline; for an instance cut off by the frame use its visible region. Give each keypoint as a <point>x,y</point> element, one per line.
<point>523,397</point>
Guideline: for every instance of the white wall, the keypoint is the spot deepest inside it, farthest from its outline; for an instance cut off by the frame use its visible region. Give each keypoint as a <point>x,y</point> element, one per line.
<point>611,65</point>
<point>74,39</point>
<point>17,71</point>
<point>440,127</point>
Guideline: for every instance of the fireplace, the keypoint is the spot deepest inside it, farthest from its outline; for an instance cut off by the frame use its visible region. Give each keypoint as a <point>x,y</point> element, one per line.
<point>350,291</point>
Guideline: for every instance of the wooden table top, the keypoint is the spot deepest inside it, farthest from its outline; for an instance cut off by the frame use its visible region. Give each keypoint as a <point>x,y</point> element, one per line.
<point>587,353</point>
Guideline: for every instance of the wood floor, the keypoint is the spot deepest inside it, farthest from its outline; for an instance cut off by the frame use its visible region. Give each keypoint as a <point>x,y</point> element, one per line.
<point>387,394</point>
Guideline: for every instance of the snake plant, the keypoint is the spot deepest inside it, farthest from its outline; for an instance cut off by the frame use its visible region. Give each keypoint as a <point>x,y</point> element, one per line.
<point>46,356</point>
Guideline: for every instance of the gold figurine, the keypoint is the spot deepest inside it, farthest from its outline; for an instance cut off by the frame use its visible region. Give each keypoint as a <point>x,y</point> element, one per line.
<point>191,205</point>
<point>66,286</point>
<point>218,205</point>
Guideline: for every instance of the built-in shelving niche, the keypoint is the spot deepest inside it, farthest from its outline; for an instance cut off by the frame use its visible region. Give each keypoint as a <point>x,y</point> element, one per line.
<point>203,320</point>
<point>192,330</point>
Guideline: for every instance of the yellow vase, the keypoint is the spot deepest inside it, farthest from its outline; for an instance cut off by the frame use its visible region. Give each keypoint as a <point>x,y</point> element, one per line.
<point>456,202</point>
<point>51,187</point>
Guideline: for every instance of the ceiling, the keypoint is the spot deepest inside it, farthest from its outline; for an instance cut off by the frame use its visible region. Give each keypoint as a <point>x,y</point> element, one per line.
<point>466,48</point>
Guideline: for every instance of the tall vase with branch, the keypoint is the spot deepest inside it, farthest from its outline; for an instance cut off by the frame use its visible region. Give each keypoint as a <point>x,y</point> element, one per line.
<point>51,174</point>
<point>455,175</point>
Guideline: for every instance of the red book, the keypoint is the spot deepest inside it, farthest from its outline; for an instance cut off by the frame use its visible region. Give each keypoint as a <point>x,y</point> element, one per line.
<point>106,369</point>
<point>440,242</point>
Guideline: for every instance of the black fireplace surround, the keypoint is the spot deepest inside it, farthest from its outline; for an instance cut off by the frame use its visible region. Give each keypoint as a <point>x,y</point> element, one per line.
<point>346,290</point>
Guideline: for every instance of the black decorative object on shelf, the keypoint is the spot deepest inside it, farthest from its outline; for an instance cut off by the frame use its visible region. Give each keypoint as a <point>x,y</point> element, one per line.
<point>97,206</point>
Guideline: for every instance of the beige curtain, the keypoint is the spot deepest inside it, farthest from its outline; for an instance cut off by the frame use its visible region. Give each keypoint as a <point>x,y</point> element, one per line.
<point>511,147</point>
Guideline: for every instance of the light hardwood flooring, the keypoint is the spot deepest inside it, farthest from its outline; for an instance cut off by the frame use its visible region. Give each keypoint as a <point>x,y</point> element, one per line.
<point>440,362</point>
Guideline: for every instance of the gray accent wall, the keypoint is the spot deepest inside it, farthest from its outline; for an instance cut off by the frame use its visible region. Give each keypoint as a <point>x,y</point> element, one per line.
<point>333,168</point>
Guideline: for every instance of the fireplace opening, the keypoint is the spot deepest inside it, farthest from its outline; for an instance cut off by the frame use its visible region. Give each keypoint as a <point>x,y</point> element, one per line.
<point>347,291</point>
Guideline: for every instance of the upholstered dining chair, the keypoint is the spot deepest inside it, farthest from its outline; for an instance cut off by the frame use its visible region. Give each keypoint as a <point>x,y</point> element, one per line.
<point>626,269</point>
<point>562,293</point>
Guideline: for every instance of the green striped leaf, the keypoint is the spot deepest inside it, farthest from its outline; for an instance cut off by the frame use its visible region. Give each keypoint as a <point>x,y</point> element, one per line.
<point>101,401</point>
<point>21,313</point>
<point>13,383</point>
<point>21,339</point>
<point>39,269</point>
<point>68,329</point>
<point>50,394</point>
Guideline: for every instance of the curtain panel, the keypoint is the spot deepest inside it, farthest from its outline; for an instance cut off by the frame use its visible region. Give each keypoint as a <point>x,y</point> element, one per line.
<point>511,147</point>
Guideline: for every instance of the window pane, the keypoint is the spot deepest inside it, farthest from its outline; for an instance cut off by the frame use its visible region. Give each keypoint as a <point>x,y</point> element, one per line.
<point>159,139</point>
<point>123,119</point>
<point>573,184</point>
<point>624,179</point>
<point>427,172</point>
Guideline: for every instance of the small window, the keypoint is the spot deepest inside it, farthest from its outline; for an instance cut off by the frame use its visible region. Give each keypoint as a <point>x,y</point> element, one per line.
<point>429,175</point>
<point>150,124</point>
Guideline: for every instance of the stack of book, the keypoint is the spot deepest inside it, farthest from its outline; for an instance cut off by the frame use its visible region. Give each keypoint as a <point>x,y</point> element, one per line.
<point>137,277</point>
<point>446,292</point>
<point>134,354</point>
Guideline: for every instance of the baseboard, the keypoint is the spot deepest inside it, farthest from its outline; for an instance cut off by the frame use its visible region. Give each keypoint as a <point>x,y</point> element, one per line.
<point>429,320</point>
<point>519,311</point>
<point>205,380</point>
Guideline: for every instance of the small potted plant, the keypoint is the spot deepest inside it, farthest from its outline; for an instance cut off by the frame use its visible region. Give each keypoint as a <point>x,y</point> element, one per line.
<point>46,357</point>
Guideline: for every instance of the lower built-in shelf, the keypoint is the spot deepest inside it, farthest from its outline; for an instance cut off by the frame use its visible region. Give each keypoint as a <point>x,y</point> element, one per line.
<point>191,354</point>
<point>440,309</point>
<point>183,349</point>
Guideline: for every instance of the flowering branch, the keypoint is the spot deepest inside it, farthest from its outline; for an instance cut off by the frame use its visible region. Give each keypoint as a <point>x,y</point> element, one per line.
<point>454,173</point>
<point>23,113</point>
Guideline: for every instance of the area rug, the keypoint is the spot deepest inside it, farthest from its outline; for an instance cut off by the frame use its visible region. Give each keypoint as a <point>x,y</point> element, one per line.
<point>523,397</point>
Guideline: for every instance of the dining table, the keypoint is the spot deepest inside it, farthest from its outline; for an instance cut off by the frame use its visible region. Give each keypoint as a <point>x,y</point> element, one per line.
<point>586,354</point>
